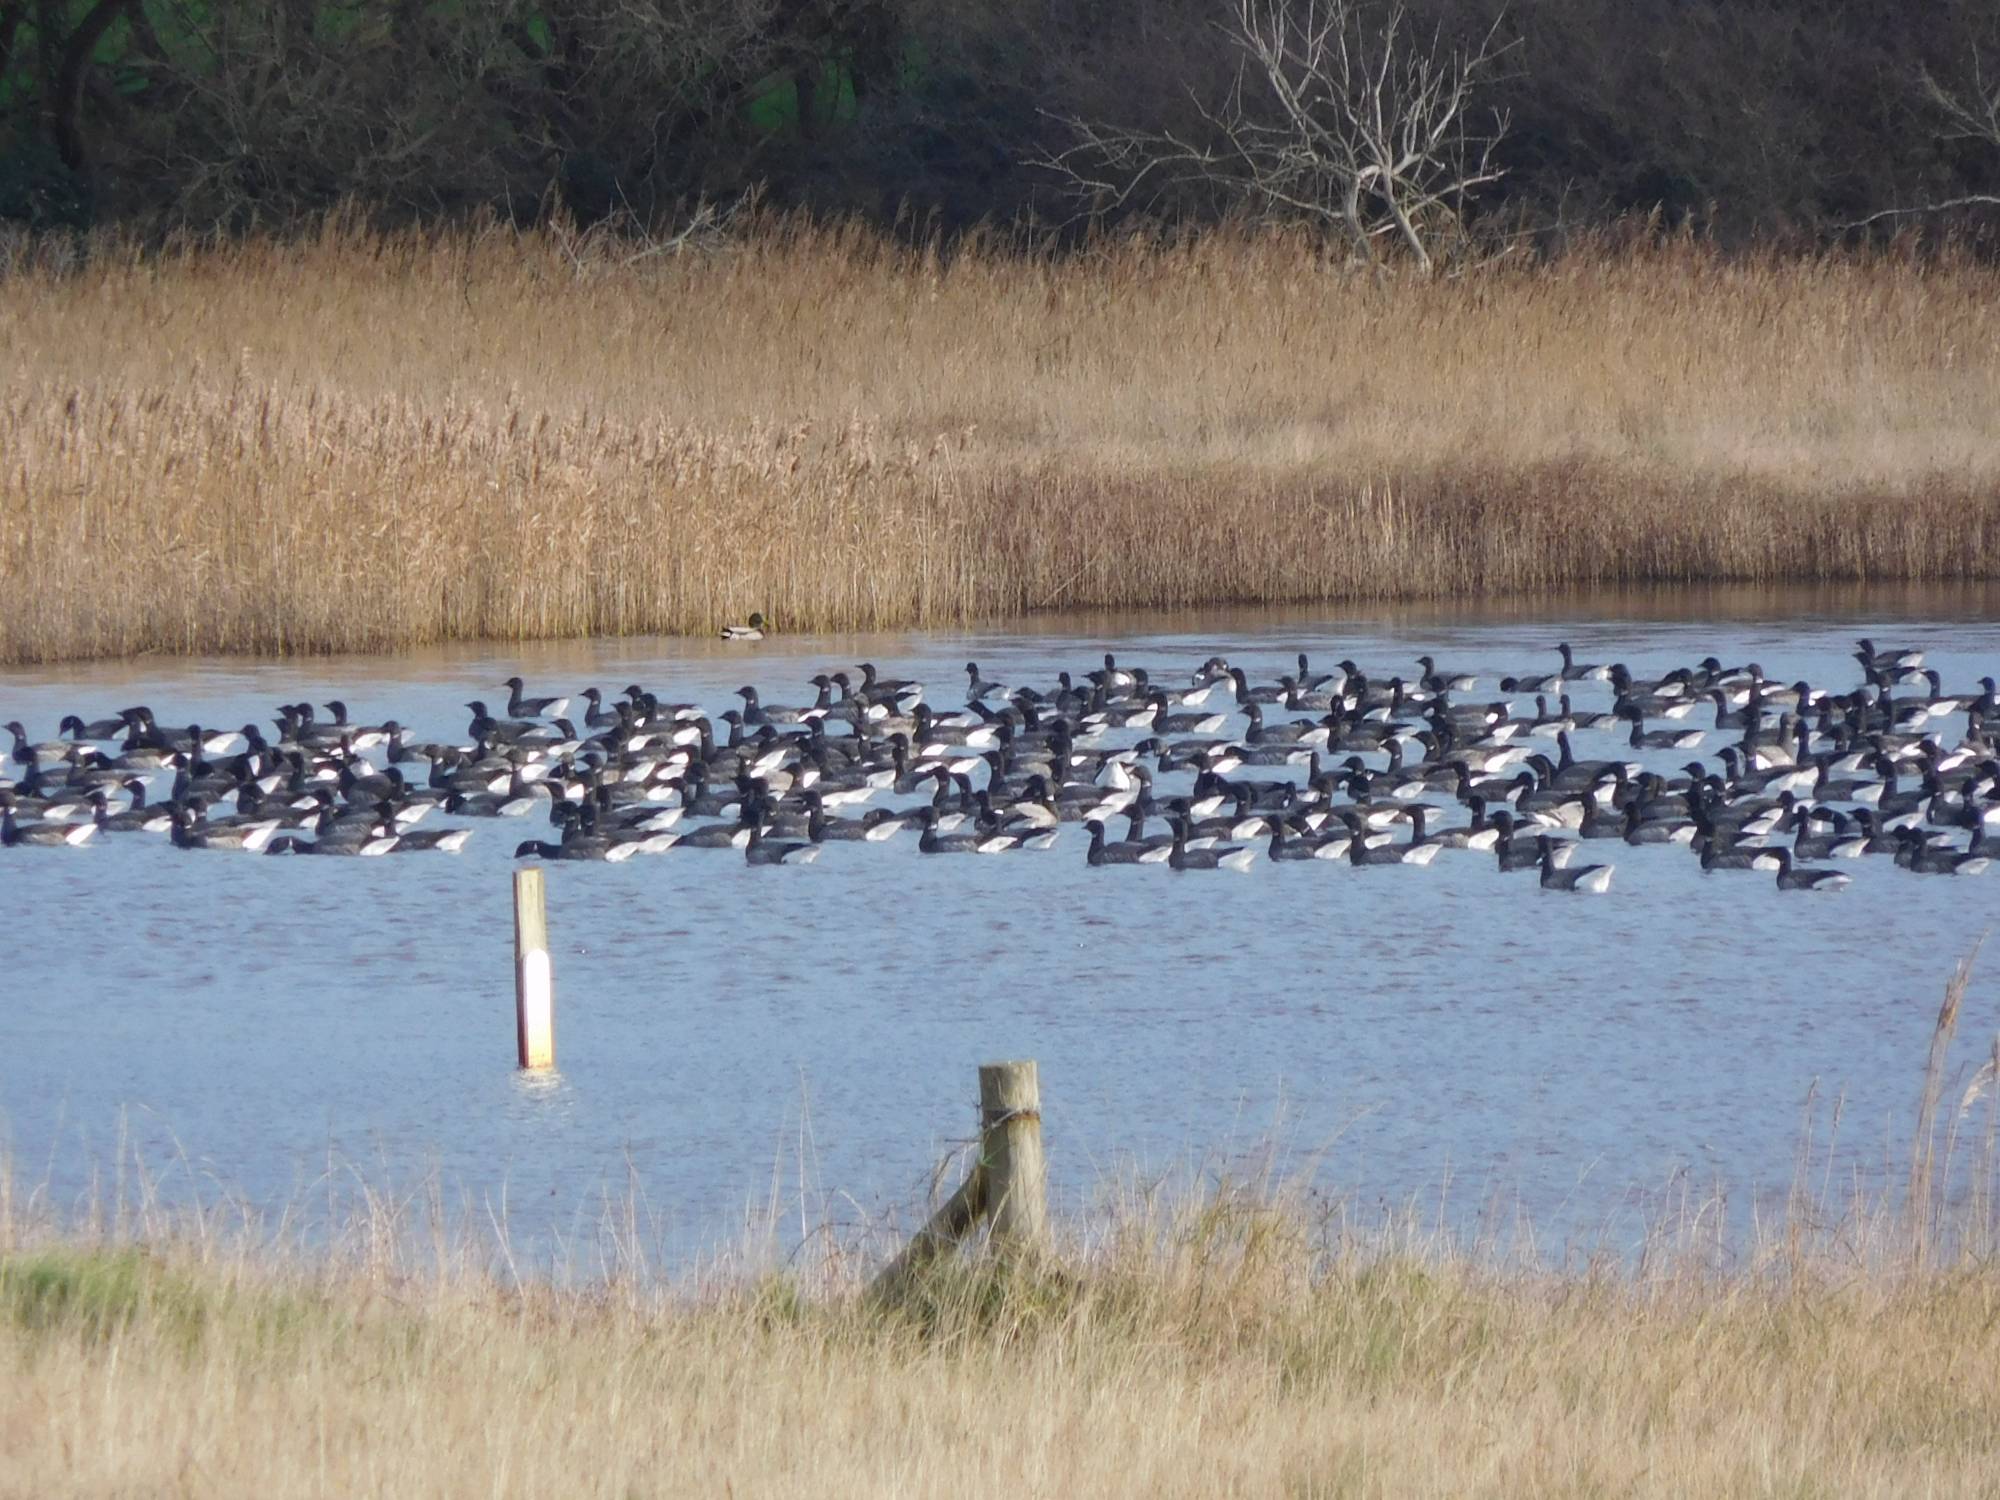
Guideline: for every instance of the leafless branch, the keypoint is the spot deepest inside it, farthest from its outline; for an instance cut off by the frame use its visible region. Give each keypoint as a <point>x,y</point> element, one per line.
<point>1972,115</point>
<point>1337,114</point>
<point>1970,200</point>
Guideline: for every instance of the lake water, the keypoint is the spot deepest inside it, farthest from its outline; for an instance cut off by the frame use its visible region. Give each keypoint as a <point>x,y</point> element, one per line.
<point>734,1039</point>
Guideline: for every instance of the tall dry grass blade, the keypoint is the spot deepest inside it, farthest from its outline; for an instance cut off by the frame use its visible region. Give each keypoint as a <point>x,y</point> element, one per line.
<point>1923,1153</point>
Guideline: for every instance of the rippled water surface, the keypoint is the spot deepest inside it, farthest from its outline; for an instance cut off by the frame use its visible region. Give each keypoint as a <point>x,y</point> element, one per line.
<point>732,1037</point>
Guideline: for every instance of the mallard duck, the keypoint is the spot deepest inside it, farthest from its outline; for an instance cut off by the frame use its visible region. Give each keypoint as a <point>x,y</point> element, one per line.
<point>754,631</point>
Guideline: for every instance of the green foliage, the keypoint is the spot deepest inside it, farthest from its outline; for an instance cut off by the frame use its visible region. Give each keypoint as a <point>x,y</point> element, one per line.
<point>96,1293</point>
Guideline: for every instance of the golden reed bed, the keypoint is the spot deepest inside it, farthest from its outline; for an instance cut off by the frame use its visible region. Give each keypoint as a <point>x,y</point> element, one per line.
<point>362,440</point>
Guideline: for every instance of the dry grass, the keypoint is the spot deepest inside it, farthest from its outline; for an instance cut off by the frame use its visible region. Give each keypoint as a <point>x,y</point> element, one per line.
<point>358,440</point>
<point>1234,1349</point>
<point>1225,1341</point>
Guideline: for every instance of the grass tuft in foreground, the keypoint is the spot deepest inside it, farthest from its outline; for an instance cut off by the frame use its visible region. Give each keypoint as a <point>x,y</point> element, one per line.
<point>362,441</point>
<point>1247,1358</point>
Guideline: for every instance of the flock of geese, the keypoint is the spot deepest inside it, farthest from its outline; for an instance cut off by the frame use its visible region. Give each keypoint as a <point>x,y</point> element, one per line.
<point>1219,774</point>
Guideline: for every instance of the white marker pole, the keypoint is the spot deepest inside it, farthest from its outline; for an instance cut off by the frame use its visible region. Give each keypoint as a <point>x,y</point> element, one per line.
<point>534,976</point>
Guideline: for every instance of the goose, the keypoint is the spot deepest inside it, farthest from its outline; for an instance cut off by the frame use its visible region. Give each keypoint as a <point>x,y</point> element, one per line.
<point>754,631</point>
<point>756,713</point>
<point>1878,838</point>
<point>874,827</point>
<point>761,851</point>
<point>580,850</point>
<point>1361,852</point>
<point>1113,678</point>
<point>1260,733</point>
<point>1435,681</point>
<point>1480,833</point>
<point>1284,846</point>
<point>1985,704</point>
<point>1658,831</point>
<point>1182,856</point>
<point>134,818</point>
<point>1791,878</point>
<point>1826,787</point>
<point>1308,679</point>
<point>934,738</point>
<point>508,804</point>
<point>288,843</point>
<point>1302,700</point>
<point>485,728</point>
<point>977,842</point>
<point>597,716</point>
<point>1194,723</point>
<point>1919,855</point>
<point>1887,797</point>
<point>1593,878</point>
<point>101,730</point>
<point>448,840</point>
<point>716,836</point>
<point>1569,773</point>
<point>248,837</point>
<point>1873,660</point>
<point>977,687</point>
<point>1574,671</point>
<point>1529,684</point>
<point>15,835</point>
<point>298,726</point>
<point>1523,851</point>
<point>336,731</point>
<point>1643,738</point>
<point>1214,670</point>
<point>1656,695</point>
<point>1548,804</point>
<point>1808,845</point>
<point>27,753</point>
<point>1246,694</point>
<point>520,707</point>
<point>1586,718</point>
<point>878,689</point>
<point>1835,776</point>
<point>1714,857</point>
<point>581,830</point>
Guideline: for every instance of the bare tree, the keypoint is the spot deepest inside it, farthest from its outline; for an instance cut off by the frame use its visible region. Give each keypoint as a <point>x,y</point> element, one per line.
<point>1969,114</point>
<point>1974,116</point>
<point>1337,114</point>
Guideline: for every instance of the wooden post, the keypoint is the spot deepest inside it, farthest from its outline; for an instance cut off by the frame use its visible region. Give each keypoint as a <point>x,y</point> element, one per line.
<point>1017,1179</point>
<point>534,977</point>
<point>950,1224</point>
<point>1008,1185</point>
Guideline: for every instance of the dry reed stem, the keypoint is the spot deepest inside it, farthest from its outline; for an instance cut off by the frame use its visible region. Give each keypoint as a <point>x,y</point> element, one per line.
<point>1229,1347</point>
<point>360,441</point>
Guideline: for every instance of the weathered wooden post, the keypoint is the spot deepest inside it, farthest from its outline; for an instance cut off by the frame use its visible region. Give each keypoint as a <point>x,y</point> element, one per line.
<point>1008,1184</point>
<point>534,977</point>
<point>1017,1177</point>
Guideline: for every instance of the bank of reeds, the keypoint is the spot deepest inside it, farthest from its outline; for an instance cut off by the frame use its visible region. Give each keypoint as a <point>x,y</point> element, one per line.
<point>360,440</point>
<point>1243,1339</point>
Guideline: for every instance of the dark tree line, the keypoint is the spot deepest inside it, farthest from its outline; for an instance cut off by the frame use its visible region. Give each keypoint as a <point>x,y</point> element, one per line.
<point>1744,116</point>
